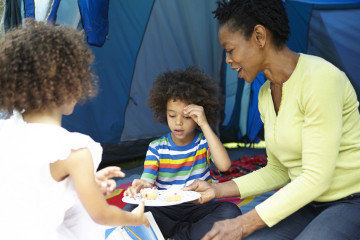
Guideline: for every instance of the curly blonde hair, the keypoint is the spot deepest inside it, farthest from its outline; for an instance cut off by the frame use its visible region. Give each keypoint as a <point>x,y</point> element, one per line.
<point>44,66</point>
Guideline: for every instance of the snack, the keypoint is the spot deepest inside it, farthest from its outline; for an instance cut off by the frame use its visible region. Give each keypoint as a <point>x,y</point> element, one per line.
<point>149,193</point>
<point>173,196</point>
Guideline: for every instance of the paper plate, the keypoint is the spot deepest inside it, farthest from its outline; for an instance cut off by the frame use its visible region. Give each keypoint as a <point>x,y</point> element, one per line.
<point>186,196</point>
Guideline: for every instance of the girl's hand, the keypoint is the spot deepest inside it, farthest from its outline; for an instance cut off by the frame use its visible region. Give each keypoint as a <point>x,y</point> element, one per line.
<point>136,186</point>
<point>104,178</point>
<point>196,113</point>
<point>139,213</point>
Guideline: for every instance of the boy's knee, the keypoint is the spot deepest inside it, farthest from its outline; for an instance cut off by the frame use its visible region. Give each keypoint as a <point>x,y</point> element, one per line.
<point>229,210</point>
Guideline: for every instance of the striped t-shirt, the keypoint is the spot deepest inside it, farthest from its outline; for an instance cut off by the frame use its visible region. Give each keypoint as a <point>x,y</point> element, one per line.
<point>168,165</point>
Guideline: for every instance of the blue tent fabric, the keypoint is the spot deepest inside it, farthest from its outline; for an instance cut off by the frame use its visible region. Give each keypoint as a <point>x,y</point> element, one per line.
<point>254,121</point>
<point>134,41</point>
<point>29,6</point>
<point>94,15</point>
<point>12,14</point>
<point>177,35</point>
<point>329,29</point>
<point>103,117</point>
<point>53,12</point>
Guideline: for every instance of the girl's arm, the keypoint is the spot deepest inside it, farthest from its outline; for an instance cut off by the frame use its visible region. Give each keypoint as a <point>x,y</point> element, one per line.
<point>80,167</point>
<point>218,151</point>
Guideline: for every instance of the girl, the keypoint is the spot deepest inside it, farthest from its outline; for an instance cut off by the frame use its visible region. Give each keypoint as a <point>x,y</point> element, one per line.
<point>47,173</point>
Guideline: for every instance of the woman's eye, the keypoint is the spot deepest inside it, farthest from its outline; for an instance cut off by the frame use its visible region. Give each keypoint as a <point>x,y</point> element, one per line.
<point>171,116</point>
<point>188,117</point>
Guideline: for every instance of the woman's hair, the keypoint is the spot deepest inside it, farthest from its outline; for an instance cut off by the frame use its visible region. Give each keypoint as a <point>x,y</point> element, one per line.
<point>191,86</point>
<point>244,15</point>
<point>44,66</point>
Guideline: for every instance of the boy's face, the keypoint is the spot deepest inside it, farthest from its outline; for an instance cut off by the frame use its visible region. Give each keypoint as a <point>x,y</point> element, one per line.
<point>182,127</point>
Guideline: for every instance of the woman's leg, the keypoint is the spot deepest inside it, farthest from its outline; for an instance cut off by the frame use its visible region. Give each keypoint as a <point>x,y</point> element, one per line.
<point>337,220</point>
<point>288,228</point>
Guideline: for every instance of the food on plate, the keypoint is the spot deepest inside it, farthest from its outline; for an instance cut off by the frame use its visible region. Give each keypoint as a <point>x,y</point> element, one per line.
<point>149,193</point>
<point>173,196</point>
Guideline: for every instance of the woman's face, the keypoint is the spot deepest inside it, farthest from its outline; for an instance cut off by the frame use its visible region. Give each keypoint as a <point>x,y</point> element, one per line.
<point>243,55</point>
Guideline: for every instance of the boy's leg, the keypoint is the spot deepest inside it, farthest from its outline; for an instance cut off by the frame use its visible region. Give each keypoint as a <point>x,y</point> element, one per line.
<point>199,219</point>
<point>165,217</point>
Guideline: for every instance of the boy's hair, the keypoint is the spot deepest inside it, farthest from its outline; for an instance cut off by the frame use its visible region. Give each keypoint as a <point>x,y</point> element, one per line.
<point>244,15</point>
<point>44,66</point>
<point>191,86</point>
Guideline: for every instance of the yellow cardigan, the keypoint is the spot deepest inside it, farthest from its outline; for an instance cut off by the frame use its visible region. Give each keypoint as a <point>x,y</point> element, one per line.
<point>313,144</point>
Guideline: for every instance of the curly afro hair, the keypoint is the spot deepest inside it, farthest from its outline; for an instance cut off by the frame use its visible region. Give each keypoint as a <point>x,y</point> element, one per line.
<point>246,14</point>
<point>191,86</point>
<point>44,66</point>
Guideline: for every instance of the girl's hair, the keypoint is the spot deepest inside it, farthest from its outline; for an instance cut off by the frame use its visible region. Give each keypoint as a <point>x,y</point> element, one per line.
<point>244,15</point>
<point>191,86</point>
<point>44,66</point>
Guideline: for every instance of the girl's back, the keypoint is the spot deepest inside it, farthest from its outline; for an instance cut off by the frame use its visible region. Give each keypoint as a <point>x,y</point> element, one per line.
<point>30,191</point>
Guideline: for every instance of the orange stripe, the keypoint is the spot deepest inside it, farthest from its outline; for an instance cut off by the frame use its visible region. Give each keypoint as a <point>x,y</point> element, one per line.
<point>188,163</point>
<point>154,167</point>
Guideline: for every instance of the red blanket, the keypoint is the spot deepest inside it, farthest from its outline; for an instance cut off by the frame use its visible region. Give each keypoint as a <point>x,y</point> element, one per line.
<point>240,167</point>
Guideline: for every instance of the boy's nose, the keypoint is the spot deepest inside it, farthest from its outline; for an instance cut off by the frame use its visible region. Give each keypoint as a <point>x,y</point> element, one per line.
<point>178,121</point>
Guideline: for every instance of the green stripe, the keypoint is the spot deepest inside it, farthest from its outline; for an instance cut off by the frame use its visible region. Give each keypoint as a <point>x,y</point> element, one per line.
<point>181,173</point>
<point>149,176</point>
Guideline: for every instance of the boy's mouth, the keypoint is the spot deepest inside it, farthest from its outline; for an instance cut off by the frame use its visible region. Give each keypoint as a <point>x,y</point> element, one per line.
<point>178,132</point>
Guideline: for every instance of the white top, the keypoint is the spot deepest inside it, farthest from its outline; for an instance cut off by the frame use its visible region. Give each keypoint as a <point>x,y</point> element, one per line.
<point>32,204</point>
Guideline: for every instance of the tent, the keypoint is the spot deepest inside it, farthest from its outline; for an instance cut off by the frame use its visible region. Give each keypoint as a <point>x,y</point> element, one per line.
<point>135,40</point>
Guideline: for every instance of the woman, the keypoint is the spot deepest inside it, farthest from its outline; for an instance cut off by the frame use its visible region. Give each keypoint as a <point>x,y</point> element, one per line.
<point>312,133</point>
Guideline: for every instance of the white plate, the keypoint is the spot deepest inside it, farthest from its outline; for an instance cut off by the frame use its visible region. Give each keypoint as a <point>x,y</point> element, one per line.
<point>186,196</point>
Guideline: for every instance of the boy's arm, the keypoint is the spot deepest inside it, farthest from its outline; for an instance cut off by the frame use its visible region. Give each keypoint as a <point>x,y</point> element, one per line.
<point>218,151</point>
<point>149,175</point>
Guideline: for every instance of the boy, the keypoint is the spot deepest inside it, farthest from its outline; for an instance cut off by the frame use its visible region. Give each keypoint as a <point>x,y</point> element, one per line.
<point>185,100</point>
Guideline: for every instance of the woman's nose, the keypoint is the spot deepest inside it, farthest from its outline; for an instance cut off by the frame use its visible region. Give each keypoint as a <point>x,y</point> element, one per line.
<point>227,59</point>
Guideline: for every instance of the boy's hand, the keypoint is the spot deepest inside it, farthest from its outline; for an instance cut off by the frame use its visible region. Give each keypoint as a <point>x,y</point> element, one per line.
<point>196,113</point>
<point>137,184</point>
<point>139,213</point>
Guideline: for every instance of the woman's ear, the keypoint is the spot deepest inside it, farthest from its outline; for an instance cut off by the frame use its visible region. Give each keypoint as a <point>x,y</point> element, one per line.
<point>259,35</point>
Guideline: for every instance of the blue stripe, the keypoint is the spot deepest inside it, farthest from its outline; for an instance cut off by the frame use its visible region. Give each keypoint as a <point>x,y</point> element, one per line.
<point>150,171</point>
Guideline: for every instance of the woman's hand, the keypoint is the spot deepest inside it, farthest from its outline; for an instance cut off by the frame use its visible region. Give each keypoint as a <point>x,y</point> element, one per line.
<point>229,229</point>
<point>196,113</point>
<point>236,228</point>
<point>104,178</point>
<point>206,190</point>
<point>136,185</point>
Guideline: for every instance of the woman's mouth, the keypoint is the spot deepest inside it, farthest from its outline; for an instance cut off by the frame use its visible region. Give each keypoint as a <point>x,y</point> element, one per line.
<point>239,72</point>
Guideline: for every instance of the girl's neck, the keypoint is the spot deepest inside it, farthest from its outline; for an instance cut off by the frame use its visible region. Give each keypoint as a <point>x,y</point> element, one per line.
<point>48,116</point>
